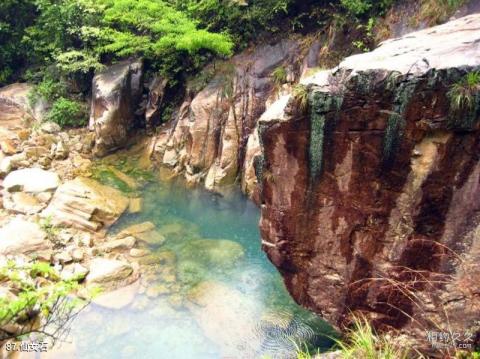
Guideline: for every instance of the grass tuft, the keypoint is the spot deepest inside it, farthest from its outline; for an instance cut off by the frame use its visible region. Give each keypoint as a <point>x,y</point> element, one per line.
<point>462,94</point>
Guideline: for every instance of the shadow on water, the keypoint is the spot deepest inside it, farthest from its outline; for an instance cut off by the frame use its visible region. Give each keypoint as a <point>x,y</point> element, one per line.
<point>208,291</point>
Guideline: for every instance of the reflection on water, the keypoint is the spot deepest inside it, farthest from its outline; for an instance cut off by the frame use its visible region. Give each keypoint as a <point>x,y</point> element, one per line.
<point>208,291</point>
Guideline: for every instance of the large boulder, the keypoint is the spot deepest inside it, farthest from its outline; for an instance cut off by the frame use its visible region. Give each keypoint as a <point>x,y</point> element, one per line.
<point>16,105</point>
<point>116,94</point>
<point>370,199</point>
<point>86,204</point>
<point>31,180</point>
<point>22,237</point>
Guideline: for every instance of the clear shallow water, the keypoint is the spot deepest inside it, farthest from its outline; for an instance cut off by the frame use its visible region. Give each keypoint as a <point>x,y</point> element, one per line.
<point>209,291</point>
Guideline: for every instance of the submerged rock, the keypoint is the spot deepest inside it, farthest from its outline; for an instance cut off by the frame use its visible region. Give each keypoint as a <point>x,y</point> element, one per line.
<point>236,316</point>
<point>200,258</point>
<point>86,204</point>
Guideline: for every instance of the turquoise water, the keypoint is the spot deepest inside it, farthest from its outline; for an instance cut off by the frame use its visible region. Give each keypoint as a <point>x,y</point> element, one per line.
<point>207,291</point>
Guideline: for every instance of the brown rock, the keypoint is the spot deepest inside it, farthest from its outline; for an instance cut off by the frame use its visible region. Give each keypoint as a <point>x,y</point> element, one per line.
<point>116,93</point>
<point>373,194</point>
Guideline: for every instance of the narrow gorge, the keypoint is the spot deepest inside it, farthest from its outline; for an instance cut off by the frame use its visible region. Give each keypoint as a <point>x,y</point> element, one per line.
<point>359,163</point>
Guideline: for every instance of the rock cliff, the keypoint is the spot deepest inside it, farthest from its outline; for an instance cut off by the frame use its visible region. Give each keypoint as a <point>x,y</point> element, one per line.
<point>370,186</point>
<point>116,93</point>
<point>207,142</point>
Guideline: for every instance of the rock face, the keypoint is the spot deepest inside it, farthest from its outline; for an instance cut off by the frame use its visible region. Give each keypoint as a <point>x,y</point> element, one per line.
<point>370,197</point>
<point>116,93</point>
<point>86,204</point>
<point>207,142</point>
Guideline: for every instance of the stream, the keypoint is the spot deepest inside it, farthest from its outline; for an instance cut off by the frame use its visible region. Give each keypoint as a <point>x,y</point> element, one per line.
<point>212,293</point>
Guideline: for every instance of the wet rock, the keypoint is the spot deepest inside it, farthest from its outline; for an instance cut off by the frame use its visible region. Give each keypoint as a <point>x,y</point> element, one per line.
<point>137,253</point>
<point>22,237</point>
<point>179,231</point>
<point>118,244</point>
<point>135,205</point>
<point>157,290</point>
<point>135,229</point>
<point>119,298</point>
<point>108,272</point>
<point>32,180</point>
<point>116,92</point>
<point>130,181</point>
<point>86,204</point>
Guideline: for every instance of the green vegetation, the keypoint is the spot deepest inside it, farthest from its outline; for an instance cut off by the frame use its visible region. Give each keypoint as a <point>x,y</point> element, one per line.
<point>279,76</point>
<point>67,113</point>
<point>36,289</point>
<point>300,96</point>
<point>362,342</point>
<point>463,93</point>
<point>437,11</point>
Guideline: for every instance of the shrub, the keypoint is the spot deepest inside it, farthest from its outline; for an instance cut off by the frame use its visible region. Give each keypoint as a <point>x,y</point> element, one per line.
<point>463,93</point>
<point>67,113</point>
<point>37,291</point>
<point>279,76</point>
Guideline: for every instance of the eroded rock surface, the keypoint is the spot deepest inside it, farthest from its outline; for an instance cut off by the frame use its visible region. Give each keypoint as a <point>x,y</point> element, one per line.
<point>370,198</point>
<point>116,93</point>
<point>207,141</point>
<point>86,204</point>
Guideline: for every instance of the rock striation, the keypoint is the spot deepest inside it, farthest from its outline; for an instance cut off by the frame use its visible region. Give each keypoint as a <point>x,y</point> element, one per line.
<point>370,194</point>
<point>207,141</point>
<point>116,93</point>
<point>86,204</point>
